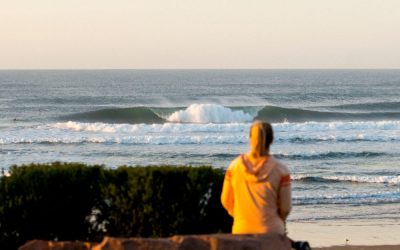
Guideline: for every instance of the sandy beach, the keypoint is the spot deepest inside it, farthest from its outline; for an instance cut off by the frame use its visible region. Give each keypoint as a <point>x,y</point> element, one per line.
<point>348,234</point>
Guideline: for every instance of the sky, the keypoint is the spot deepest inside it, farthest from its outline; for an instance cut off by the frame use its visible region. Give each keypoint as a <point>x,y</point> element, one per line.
<point>207,34</point>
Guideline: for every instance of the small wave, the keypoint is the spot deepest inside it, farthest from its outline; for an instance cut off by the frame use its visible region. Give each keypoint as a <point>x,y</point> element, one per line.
<point>332,138</point>
<point>330,155</point>
<point>312,179</point>
<point>368,107</point>
<point>202,155</point>
<point>367,179</point>
<point>357,198</point>
<point>128,140</point>
<point>385,179</point>
<point>209,113</point>
<point>280,114</point>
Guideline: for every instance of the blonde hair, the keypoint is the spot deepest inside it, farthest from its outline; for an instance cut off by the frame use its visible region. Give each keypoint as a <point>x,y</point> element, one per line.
<point>261,144</point>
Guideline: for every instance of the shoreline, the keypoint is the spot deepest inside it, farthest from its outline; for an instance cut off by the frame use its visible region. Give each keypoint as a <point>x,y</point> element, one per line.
<point>347,234</point>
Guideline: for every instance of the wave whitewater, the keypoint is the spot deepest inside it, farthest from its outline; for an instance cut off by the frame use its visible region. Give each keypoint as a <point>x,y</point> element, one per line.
<point>215,113</point>
<point>209,113</point>
<point>350,198</point>
<point>210,133</point>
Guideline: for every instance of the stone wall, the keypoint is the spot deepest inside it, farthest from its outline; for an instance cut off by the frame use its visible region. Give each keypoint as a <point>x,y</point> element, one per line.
<point>188,242</point>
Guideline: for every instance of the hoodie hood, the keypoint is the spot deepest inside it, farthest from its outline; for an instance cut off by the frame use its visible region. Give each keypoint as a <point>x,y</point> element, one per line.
<point>258,172</point>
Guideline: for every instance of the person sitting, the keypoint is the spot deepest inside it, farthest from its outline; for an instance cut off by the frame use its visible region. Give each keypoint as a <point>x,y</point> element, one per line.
<point>257,187</point>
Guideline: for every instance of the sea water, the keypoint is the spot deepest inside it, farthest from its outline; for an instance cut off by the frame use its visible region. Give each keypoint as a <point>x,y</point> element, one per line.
<point>337,130</point>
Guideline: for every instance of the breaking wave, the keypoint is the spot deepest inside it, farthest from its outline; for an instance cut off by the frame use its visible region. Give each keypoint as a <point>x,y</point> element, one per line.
<point>209,113</point>
<point>215,113</point>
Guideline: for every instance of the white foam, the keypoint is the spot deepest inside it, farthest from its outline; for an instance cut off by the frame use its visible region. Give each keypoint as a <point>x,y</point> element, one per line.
<point>177,133</point>
<point>135,140</point>
<point>92,127</point>
<point>321,131</point>
<point>337,126</point>
<point>157,134</point>
<point>209,113</point>
<point>150,128</point>
<point>339,131</point>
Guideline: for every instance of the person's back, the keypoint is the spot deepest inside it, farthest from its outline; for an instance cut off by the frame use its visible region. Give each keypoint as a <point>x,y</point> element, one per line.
<point>256,190</point>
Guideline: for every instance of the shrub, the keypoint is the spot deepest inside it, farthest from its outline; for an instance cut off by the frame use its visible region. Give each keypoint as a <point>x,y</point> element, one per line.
<point>71,201</point>
<point>162,201</point>
<point>49,202</point>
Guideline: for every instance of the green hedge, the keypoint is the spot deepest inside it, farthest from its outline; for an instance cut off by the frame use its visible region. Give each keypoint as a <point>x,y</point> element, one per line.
<point>70,201</point>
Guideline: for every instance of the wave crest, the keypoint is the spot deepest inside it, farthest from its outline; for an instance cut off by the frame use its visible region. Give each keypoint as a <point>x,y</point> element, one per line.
<point>209,113</point>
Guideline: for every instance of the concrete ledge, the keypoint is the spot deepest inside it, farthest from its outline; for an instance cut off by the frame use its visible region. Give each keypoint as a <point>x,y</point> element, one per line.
<point>187,242</point>
<point>50,245</point>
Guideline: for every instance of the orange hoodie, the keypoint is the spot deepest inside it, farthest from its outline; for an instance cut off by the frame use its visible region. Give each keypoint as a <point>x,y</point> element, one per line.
<point>257,197</point>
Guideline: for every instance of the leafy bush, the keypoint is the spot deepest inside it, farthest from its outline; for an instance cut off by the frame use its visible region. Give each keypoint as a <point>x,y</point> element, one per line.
<point>71,201</point>
<point>48,202</point>
<point>162,201</point>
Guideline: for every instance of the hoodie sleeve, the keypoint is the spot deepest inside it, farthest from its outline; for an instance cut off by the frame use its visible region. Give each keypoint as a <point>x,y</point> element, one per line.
<point>227,198</point>
<point>285,195</point>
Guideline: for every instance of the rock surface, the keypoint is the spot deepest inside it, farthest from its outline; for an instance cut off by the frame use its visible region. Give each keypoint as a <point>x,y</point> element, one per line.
<point>187,242</point>
<point>50,245</point>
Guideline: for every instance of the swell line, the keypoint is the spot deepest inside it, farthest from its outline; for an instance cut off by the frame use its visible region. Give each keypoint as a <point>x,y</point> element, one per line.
<point>385,179</point>
<point>281,114</point>
<point>215,113</point>
<point>118,115</point>
<point>331,155</point>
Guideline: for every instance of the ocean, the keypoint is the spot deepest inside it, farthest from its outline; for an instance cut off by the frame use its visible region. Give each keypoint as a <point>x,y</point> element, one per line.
<point>338,131</point>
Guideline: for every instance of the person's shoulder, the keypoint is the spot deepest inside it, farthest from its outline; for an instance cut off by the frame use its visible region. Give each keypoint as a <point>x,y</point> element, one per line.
<point>235,162</point>
<point>280,166</point>
<point>283,171</point>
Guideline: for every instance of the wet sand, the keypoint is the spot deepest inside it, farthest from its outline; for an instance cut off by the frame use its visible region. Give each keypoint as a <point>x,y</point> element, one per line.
<point>348,234</point>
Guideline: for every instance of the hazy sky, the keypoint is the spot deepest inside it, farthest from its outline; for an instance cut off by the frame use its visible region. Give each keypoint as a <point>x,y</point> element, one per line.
<point>199,34</point>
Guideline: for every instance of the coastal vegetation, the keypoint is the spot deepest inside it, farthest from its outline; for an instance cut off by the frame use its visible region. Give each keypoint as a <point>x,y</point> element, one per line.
<point>74,201</point>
